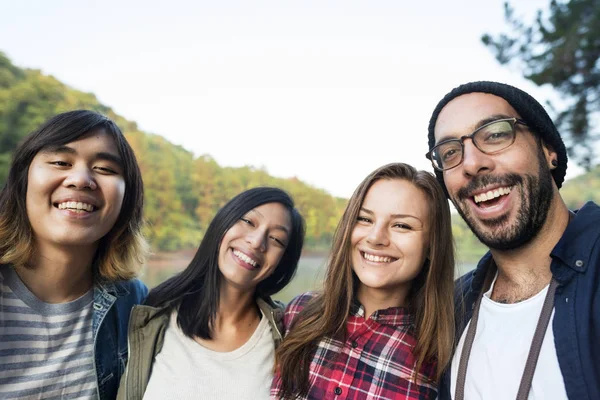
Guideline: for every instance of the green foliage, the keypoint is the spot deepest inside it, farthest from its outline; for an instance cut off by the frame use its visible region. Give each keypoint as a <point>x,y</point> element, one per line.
<point>468,248</point>
<point>183,192</point>
<point>577,191</point>
<point>561,48</point>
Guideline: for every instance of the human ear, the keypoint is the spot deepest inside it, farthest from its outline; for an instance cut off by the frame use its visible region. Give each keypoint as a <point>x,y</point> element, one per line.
<point>550,155</point>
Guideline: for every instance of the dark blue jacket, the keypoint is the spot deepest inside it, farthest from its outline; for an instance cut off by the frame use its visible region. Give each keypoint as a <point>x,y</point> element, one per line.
<point>112,306</point>
<point>576,267</point>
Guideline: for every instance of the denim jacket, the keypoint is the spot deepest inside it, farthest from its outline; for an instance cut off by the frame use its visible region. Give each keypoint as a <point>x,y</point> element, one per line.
<point>113,302</point>
<point>576,267</point>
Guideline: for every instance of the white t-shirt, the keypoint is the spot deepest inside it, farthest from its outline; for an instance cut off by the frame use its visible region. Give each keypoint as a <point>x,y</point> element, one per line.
<point>184,369</point>
<point>500,350</point>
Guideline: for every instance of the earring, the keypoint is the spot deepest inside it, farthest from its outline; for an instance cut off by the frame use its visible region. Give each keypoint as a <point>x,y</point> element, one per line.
<point>554,163</point>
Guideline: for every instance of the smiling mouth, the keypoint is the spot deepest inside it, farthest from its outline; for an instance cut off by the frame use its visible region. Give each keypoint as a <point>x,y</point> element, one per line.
<point>491,197</point>
<point>76,206</point>
<point>377,259</point>
<point>243,257</point>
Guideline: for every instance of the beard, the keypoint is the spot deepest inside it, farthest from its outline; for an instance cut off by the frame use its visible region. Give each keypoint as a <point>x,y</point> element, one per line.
<point>536,197</point>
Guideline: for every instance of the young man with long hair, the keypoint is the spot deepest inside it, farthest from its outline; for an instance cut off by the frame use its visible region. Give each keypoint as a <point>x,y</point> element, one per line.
<point>70,246</point>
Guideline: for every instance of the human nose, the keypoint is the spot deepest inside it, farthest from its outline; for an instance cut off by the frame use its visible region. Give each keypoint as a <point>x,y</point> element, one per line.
<point>80,178</point>
<point>474,160</point>
<point>378,235</point>
<point>257,240</point>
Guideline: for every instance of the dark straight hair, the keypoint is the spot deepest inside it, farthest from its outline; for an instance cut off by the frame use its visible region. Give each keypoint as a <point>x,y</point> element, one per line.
<point>123,249</point>
<point>196,289</point>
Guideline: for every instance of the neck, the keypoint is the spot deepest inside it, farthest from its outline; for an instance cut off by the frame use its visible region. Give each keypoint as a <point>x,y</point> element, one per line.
<point>59,275</point>
<point>529,265</point>
<point>373,299</point>
<point>235,307</point>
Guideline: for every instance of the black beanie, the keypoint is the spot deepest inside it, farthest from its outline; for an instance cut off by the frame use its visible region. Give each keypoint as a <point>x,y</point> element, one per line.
<point>532,112</point>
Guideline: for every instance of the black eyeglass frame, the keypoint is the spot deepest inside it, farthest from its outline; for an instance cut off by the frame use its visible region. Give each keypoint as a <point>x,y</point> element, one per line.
<point>513,122</point>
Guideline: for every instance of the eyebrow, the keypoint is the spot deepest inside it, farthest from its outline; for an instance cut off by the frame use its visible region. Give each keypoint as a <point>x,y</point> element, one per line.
<point>279,227</point>
<point>394,216</point>
<point>282,228</point>
<point>102,155</point>
<point>478,125</point>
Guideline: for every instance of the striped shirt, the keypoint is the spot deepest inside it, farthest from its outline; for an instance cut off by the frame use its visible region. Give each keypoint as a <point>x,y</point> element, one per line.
<point>46,350</point>
<point>375,362</point>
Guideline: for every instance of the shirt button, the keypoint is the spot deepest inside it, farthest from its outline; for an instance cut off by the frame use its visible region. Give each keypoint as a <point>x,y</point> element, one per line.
<point>354,344</point>
<point>579,263</point>
<point>338,390</point>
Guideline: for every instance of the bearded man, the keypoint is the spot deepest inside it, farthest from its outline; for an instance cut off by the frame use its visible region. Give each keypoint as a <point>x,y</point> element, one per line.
<point>528,322</point>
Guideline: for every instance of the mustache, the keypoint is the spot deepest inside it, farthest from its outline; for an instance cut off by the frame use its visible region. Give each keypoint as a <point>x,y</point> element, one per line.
<point>481,181</point>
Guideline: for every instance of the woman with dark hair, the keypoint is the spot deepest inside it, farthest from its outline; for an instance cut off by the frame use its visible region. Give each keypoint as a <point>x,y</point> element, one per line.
<point>70,246</point>
<point>382,328</point>
<point>211,331</point>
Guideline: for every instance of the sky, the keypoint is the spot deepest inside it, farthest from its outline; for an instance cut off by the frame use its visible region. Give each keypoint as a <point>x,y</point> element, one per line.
<point>322,90</point>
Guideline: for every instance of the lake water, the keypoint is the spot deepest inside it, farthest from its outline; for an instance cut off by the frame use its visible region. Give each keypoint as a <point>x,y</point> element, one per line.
<point>311,271</point>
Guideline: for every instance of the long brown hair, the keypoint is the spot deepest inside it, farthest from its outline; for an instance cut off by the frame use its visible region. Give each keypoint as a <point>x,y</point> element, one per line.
<point>431,297</point>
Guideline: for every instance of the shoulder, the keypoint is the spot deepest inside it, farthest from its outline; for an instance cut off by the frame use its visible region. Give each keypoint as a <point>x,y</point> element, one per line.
<point>463,284</point>
<point>474,279</point>
<point>267,302</point>
<point>299,302</point>
<point>132,290</point>
<point>466,291</point>
<point>296,306</point>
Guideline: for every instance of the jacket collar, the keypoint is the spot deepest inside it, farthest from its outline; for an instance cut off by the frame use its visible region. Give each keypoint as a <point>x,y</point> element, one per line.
<point>480,272</point>
<point>274,313</point>
<point>574,248</point>
<point>114,288</point>
<point>273,310</point>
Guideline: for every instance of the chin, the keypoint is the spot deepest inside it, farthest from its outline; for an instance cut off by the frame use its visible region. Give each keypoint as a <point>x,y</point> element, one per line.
<point>77,241</point>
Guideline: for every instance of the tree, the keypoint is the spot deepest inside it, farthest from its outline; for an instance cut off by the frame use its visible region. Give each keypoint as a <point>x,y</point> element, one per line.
<point>561,49</point>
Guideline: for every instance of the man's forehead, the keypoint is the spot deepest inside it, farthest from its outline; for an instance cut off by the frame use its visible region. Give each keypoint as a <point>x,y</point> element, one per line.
<point>464,114</point>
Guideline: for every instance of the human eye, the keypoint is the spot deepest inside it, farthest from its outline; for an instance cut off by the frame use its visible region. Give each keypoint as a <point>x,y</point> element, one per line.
<point>247,221</point>
<point>106,170</point>
<point>497,132</point>
<point>449,152</point>
<point>363,219</point>
<point>402,225</point>
<point>278,242</point>
<point>59,163</point>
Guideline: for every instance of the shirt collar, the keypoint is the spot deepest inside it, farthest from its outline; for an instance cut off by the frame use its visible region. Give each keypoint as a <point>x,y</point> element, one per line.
<point>393,316</point>
<point>575,246</point>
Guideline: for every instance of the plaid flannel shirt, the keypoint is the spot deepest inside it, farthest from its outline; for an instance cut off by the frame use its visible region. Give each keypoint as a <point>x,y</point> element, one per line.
<point>375,362</point>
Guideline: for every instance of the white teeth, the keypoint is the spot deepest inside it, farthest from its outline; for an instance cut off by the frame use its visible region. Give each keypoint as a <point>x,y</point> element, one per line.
<point>373,258</point>
<point>245,258</point>
<point>492,194</point>
<point>75,205</point>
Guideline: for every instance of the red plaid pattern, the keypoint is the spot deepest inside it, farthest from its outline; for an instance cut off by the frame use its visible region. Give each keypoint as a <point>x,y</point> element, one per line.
<point>375,362</point>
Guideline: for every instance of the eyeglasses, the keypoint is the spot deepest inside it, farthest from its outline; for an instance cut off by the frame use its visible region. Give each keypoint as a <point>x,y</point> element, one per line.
<point>490,138</point>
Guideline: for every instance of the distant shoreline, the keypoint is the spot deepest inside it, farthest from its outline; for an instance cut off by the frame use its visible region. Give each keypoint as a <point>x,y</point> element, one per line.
<point>189,253</point>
